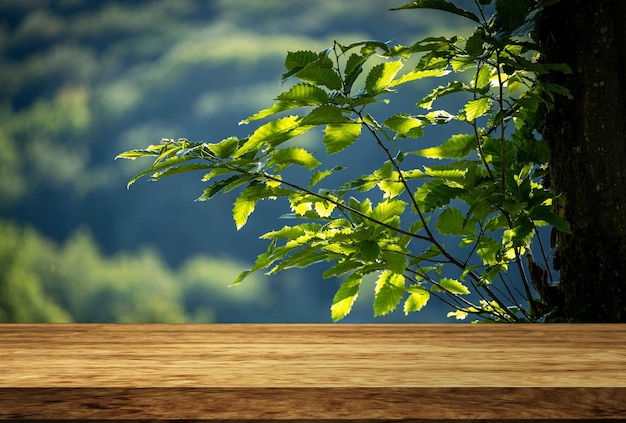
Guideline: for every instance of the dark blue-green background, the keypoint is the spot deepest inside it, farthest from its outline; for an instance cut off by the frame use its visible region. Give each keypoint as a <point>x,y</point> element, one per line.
<point>81,81</point>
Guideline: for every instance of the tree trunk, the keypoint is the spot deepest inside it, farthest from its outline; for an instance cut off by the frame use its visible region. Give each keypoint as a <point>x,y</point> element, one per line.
<point>587,136</point>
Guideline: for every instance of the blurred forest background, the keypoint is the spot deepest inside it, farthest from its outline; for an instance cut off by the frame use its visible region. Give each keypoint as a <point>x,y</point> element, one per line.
<point>81,81</point>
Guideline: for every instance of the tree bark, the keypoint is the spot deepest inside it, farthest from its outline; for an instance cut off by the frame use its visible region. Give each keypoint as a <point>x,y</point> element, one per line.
<point>587,136</point>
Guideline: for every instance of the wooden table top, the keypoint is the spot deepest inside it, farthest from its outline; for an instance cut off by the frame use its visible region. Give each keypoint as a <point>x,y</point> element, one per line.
<point>301,371</point>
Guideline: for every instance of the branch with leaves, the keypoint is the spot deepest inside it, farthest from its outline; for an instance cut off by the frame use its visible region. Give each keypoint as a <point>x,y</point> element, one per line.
<point>482,191</point>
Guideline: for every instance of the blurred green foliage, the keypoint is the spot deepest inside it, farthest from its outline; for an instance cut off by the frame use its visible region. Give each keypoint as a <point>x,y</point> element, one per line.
<point>43,281</point>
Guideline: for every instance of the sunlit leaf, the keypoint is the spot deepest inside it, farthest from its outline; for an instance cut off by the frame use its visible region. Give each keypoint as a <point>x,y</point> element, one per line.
<point>305,94</point>
<point>489,250</point>
<point>338,136</point>
<point>458,314</point>
<point>452,222</point>
<point>287,232</point>
<point>133,154</point>
<point>452,87</point>
<point>224,148</point>
<point>388,292</point>
<point>300,259</point>
<point>276,108</point>
<point>325,114</point>
<point>453,286</point>
<point>324,208</point>
<point>418,298</point>
<point>318,75</point>
<point>418,74</point>
<point>483,78</point>
<point>345,297</point>
<point>380,76</point>
<point>476,108</point>
<point>273,133</point>
<point>159,166</point>
<point>395,258</point>
<point>216,187</point>
<point>294,155</point>
<point>435,194</point>
<point>321,174</point>
<point>388,210</point>
<point>297,60</point>
<point>341,268</point>
<point>458,146</point>
<point>354,67</point>
<point>391,188</point>
<point>406,126</point>
<point>244,205</point>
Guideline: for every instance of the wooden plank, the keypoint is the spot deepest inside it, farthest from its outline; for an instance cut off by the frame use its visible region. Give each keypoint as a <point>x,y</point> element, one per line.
<point>319,372</point>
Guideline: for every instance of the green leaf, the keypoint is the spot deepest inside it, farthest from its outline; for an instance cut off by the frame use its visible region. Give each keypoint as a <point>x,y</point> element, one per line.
<point>294,155</point>
<point>341,268</point>
<point>276,108</point>
<point>461,63</point>
<point>489,249</point>
<point>477,108</point>
<point>133,154</point>
<point>298,60</point>
<point>273,133</point>
<point>406,126</point>
<point>388,210</point>
<point>319,75</point>
<point>183,168</point>
<point>457,147</point>
<point>388,293</point>
<point>369,249</point>
<point>381,76</point>
<point>345,297</point>
<point>395,258</point>
<point>452,222</point>
<point>440,5</point>
<point>435,194</point>
<point>321,174</point>
<point>158,166</point>
<point>338,136</point>
<point>224,148</point>
<point>418,74</point>
<point>418,297</point>
<point>511,13</point>
<point>391,188</point>
<point>213,189</point>
<point>353,68</point>
<point>244,205</point>
<point>287,232</point>
<point>453,286</point>
<point>474,44</point>
<point>452,87</point>
<point>324,115</point>
<point>302,259</point>
<point>546,214</point>
<point>305,94</point>
<point>324,208</point>
<point>483,77</point>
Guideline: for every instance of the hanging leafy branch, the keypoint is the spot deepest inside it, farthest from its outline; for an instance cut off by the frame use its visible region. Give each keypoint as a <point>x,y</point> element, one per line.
<point>482,192</point>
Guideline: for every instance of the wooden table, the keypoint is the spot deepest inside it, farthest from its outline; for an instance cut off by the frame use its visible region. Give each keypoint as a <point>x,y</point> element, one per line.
<point>232,372</point>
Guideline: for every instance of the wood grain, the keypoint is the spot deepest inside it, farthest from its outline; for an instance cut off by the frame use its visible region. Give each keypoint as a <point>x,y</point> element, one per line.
<point>317,372</point>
